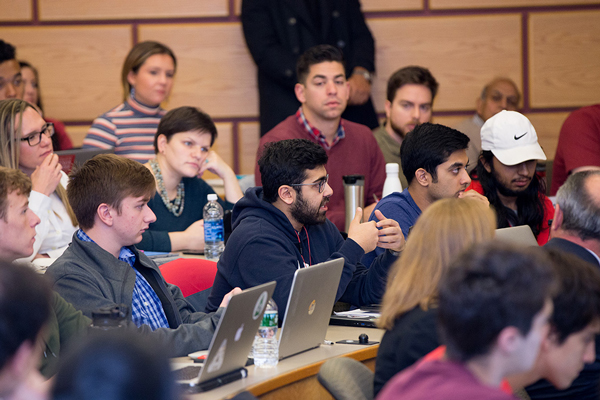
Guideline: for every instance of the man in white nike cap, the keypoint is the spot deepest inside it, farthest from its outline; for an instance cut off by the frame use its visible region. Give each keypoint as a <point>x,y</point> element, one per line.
<point>505,174</point>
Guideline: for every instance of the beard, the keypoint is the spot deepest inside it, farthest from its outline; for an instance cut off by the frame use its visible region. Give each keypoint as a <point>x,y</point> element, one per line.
<point>397,129</point>
<point>303,213</point>
<point>502,189</point>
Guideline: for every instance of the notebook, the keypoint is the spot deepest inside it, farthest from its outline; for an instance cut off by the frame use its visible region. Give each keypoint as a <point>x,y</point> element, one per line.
<point>309,307</point>
<point>232,341</point>
<point>364,317</point>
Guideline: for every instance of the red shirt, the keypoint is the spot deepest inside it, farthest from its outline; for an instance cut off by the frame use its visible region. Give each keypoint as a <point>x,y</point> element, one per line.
<point>356,153</point>
<point>440,354</point>
<point>544,235</point>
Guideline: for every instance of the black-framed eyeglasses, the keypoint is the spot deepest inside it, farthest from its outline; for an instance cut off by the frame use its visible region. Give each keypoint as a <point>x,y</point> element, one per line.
<point>321,183</point>
<point>36,137</point>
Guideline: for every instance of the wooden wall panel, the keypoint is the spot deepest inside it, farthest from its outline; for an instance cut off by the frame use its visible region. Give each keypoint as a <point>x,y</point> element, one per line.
<point>547,127</point>
<point>370,5</point>
<point>224,143</point>
<point>248,138</point>
<point>386,5</point>
<point>15,10</point>
<point>116,9</point>
<point>564,58</point>
<point>214,69</point>
<point>449,120</point>
<point>437,4</point>
<point>77,134</point>
<point>80,66</point>
<point>463,53</point>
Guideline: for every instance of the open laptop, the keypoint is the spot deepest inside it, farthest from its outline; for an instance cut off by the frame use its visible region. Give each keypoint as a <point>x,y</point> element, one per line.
<point>309,307</point>
<point>520,235</point>
<point>77,157</point>
<point>232,341</point>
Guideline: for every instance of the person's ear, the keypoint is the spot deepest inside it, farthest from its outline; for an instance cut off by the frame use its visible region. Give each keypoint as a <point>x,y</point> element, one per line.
<point>485,164</point>
<point>299,90</point>
<point>104,214</point>
<point>423,177</point>
<point>388,110</point>
<point>508,340</point>
<point>550,341</point>
<point>161,142</point>
<point>557,219</point>
<point>287,194</point>
<point>131,78</point>
<point>479,106</point>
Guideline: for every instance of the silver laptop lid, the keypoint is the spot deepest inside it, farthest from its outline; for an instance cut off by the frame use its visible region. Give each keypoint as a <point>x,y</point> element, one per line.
<point>233,338</point>
<point>309,307</point>
<point>520,235</point>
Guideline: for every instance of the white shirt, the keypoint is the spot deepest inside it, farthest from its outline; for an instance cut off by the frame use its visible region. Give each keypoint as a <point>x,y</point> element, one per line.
<point>55,231</point>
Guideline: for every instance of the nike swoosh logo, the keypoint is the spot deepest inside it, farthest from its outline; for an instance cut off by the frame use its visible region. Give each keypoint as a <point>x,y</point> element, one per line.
<point>519,137</point>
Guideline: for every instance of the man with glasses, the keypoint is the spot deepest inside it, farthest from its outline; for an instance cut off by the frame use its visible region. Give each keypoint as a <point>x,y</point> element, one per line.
<point>11,83</point>
<point>282,226</point>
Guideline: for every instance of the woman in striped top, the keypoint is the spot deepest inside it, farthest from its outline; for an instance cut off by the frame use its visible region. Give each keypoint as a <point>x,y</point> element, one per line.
<point>129,128</point>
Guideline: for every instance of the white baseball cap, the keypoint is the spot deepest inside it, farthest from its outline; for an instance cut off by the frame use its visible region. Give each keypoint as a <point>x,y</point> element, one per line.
<point>510,136</point>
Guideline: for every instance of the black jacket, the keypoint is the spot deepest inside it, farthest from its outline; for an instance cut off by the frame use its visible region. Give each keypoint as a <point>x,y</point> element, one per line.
<point>277,32</point>
<point>264,247</point>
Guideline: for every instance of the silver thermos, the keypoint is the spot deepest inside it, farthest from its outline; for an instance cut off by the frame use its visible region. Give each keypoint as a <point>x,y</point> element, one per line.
<point>354,195</point>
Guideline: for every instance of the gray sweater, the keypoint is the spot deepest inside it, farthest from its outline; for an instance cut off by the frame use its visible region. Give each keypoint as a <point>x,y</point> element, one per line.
<point>89,277</point>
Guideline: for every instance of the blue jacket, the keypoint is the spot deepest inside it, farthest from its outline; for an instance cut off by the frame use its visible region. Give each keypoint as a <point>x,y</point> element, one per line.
<point>264,247</point>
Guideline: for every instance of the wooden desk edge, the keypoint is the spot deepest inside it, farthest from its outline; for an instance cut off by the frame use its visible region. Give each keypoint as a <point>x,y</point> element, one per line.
<point>306,371</point>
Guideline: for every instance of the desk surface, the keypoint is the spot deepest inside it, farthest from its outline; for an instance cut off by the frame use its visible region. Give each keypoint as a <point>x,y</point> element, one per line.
<point>300,366</point>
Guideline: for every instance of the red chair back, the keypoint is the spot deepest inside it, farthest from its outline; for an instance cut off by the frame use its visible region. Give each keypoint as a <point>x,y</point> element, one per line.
<point>192,275</point>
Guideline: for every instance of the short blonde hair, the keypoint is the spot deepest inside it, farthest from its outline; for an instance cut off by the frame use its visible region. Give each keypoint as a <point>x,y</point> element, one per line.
<point>443,231</point>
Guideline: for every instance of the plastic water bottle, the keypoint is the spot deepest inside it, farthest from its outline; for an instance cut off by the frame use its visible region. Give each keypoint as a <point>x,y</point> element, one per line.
<point>266,348</point>
<point>392,181</point>
<point>213,228</point>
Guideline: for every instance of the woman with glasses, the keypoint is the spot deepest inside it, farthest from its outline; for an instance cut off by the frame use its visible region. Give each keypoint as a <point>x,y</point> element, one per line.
<point>26,144</point>
<point>182,146</point>
<point>147,79</point>
<point>408,311</point>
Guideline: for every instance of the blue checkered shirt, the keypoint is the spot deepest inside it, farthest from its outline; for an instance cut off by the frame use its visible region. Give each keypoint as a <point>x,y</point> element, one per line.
<point>146,308</point>
<point>317,134</point>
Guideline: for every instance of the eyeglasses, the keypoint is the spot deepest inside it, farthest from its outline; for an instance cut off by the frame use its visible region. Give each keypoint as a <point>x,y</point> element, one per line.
<point>321,183</point>
<point>36,137</point>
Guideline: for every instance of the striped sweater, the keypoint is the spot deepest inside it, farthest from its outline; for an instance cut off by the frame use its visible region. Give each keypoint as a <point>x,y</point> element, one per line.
<point>128,128</point>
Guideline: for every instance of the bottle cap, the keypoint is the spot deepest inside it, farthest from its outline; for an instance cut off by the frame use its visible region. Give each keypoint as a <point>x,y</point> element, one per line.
<point>392,167</point>
<point>211,197</point>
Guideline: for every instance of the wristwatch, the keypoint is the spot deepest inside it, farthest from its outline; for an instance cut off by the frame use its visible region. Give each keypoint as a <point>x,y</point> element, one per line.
<point>365,74</point>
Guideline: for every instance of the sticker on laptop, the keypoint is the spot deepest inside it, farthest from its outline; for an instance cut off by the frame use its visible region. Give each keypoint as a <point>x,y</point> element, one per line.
<point>217,362</point>
<point>311,308</point>
<point>260,305</point>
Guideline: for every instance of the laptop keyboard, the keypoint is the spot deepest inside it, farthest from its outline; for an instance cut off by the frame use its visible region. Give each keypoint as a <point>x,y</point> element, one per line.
<point>187,373</point>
